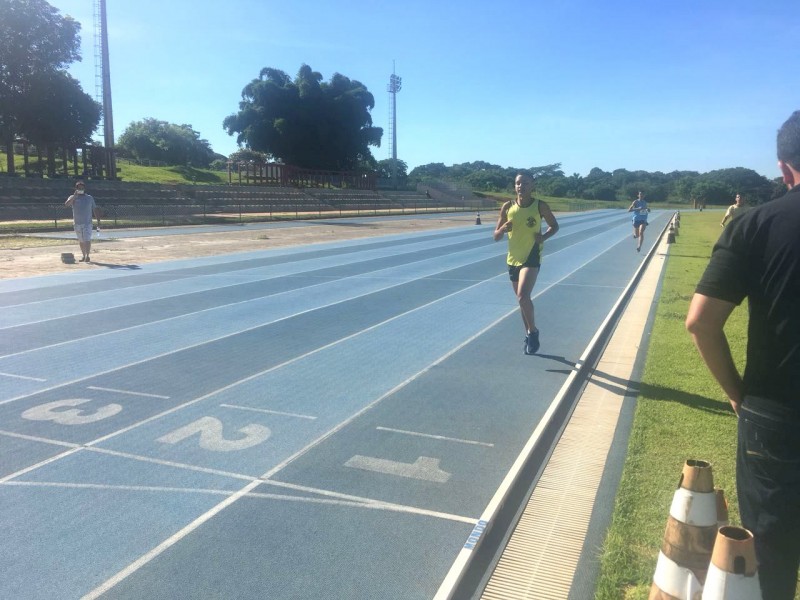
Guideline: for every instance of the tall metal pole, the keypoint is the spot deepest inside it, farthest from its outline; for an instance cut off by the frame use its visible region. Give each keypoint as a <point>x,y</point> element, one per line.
<point>108,119</point>
<point>395,84</point>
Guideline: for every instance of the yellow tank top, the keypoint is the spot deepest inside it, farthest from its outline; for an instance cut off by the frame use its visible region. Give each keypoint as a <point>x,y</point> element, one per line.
<point>526,222</point>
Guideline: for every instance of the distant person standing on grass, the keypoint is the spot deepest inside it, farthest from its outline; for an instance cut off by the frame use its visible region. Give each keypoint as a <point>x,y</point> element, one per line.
<point>83,207</point>
<point>758,257</point>
<point>639,209</point>
<point>737,208</point>
<point>522,220</point>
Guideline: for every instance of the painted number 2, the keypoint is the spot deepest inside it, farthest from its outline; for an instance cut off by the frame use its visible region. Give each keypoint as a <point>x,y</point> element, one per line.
<point>211,438</point>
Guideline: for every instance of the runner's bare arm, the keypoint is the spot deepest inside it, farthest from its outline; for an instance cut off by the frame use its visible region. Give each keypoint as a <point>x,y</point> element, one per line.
<point>503,224</point>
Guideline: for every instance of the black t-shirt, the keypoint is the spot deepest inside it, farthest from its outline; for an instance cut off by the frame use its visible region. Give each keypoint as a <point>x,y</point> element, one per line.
<point>758,257</point>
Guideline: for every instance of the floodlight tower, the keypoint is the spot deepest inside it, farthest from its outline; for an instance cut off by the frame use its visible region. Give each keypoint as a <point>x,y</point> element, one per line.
<point>395,83</point>
<point>101,57</point>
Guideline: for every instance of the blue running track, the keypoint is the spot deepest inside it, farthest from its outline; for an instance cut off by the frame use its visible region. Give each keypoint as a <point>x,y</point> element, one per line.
<point>324,421</point>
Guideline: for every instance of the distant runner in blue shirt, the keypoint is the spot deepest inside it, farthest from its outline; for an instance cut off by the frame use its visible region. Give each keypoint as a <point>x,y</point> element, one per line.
<point>639,209</point>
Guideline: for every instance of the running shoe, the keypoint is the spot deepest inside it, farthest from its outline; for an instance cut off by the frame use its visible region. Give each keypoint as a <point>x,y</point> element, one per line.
<point>532,342</point>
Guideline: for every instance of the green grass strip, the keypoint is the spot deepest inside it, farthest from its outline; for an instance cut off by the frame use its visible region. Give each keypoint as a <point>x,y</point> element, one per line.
<point>681,413</point>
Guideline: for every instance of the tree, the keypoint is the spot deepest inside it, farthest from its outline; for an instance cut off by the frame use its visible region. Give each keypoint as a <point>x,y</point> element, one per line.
<point>386,169</point>
<point>34,40</point>
<point>307,122</point>
<point>58,113</point>
<point>754,188</point>
<point>151,139</point>
<point>712,191</point>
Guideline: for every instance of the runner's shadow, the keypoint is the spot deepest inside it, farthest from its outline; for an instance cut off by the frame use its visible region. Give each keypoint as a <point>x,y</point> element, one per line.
<point>657,392</point>
<point>632,388</point>
<point>115,266</point>
<point>560,359</point>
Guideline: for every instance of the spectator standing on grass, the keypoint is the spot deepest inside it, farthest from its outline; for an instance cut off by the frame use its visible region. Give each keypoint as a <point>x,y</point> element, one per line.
<point>758,257</point>
<point>522,220</point>
<point>640,211</point>
<point>737,208</point>
<point>83,208</point>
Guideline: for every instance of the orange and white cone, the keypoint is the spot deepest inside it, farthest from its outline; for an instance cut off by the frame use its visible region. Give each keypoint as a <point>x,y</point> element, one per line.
<point>733,573</point>
<point>683,560</point>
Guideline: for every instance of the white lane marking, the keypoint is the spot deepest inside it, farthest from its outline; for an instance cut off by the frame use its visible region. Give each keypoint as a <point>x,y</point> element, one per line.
<point>124,488</point>
<point>586,285</point>
<point>33,438</point>
<point>170,463</point>
<point>178,536</point>
<point>40,464</point>
<point>269,412</point>
<point>22,377</point>
<point>371,502</point>
<point>424,468</point>
<point>168,543</point>
<point>128,392</point>
<point>345,499</point>
<point>434,437</point>
<point>353,502</point>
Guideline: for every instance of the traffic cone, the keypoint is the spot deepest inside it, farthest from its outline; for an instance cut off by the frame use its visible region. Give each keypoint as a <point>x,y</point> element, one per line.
<point>478,219</point>
<point>733,574</point>
<point>683,560</point>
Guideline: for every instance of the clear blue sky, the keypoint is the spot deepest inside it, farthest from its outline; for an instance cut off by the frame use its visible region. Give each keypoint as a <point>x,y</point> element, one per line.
<point>653,85</point>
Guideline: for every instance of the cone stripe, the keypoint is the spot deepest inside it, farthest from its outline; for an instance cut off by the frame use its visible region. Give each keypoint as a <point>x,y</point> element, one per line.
<point>694,508</point>
<point>721,585</point>
<point>689,546</point>
<point>675,580</point>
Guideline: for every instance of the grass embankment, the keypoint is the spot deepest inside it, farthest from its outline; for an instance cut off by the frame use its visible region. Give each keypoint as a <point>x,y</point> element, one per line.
<point>129,171</point>
<point>681,414</point>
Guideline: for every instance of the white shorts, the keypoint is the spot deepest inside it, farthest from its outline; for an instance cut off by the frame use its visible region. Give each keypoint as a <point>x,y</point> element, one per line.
<point>84,232</point>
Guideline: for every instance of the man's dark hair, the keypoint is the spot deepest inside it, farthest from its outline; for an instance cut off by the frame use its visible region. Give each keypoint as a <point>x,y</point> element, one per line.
<point>789,141</point>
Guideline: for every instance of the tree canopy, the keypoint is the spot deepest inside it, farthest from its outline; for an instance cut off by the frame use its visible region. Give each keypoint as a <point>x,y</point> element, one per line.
<point>36,44</point>
<point>306,122</point>
<point>714,187</point>
<point>151,139</point>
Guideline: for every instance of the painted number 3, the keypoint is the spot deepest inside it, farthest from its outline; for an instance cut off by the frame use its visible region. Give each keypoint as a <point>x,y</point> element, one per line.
<point>55,411</point>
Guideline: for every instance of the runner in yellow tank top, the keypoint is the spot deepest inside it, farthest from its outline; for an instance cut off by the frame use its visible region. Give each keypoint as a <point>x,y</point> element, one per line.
<point>522,220</point>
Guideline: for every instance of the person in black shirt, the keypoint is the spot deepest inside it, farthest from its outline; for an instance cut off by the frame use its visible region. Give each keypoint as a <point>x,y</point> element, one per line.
<point>758,257</point>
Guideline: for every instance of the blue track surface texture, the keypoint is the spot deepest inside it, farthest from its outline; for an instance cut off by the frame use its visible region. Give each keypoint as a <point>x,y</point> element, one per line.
<point>320,421</point>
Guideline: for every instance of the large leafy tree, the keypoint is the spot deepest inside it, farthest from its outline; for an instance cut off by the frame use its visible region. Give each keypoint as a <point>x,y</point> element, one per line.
<point>307,122</point>
<point>387,167</point>
<point>151,139</point>
<point>58,114</point>
<point>35,39</point>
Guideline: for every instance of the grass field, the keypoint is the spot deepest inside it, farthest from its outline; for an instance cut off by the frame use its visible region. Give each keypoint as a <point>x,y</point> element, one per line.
<point>681,414</point>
